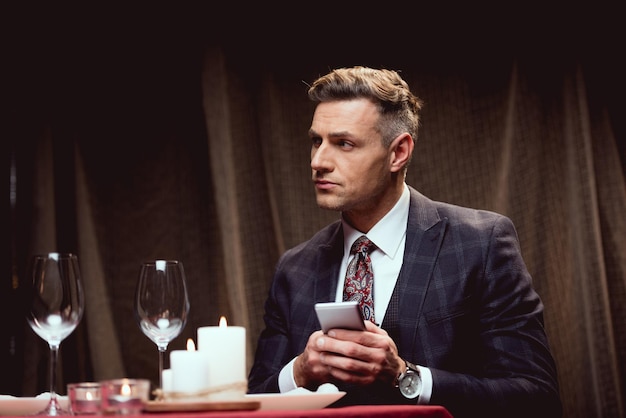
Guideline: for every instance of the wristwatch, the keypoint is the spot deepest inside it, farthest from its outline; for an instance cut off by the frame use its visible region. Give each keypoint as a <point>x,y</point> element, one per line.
<point>409,381</point>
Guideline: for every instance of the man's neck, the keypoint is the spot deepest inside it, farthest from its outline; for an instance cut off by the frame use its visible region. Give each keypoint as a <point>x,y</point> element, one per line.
<point>363,219</point>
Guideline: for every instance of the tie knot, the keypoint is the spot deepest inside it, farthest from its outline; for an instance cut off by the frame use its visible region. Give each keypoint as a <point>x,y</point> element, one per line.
<point>362,245</point>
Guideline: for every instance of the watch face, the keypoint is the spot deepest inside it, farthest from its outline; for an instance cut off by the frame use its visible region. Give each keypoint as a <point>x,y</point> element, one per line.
<point>410,384</point>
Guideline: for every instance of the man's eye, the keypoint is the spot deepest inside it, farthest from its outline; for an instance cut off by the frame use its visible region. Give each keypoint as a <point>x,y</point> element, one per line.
<point>316,142</point>
<point>344,144</point>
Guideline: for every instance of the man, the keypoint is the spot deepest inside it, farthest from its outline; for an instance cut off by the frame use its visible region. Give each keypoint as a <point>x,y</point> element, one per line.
<point>459,322</point>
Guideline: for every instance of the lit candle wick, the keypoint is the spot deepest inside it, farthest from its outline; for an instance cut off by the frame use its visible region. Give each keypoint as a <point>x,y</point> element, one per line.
<point>223,322</point>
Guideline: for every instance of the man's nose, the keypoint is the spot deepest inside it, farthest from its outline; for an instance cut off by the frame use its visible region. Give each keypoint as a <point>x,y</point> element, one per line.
<point>320,157</point>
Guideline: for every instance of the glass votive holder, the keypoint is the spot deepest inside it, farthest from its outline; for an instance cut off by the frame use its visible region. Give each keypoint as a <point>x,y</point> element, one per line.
<point>124,396</point>
<point>84,398</point>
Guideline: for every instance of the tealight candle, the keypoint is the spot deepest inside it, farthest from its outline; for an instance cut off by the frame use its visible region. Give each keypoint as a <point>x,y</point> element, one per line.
<point>84,398</point>
<point>225,348</point>
<point>124,396</point>
<point>190,370</point>
<point>166,378</point>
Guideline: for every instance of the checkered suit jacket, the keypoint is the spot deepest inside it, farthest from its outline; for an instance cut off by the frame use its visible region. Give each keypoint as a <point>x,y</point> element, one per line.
<point>463,306</point>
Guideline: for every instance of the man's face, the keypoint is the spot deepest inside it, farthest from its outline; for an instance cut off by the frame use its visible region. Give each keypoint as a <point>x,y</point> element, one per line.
<point>350,165</point>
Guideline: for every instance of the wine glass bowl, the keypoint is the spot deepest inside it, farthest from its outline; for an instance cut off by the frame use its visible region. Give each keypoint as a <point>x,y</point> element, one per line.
<point>161,303</point>
<point>56,308</point>
<point>161,330</point>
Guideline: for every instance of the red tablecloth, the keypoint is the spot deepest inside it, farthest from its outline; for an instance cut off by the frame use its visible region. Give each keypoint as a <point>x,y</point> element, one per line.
<point>361,411</point>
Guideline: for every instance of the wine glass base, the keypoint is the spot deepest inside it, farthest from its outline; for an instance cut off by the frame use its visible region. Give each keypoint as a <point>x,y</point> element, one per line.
<point>53,408</point>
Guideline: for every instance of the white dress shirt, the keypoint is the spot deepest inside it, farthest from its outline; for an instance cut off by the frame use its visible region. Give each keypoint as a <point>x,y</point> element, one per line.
<point>386,264</point>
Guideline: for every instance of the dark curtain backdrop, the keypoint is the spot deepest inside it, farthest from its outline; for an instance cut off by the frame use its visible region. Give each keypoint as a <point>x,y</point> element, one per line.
<point>161,131</point>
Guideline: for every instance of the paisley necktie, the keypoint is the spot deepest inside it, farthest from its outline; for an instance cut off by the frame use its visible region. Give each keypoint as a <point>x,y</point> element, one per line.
<point>359,284</point>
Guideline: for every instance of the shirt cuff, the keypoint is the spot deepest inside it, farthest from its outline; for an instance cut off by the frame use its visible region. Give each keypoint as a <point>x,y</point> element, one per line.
<point>286,382</point>
<point>427,385</point>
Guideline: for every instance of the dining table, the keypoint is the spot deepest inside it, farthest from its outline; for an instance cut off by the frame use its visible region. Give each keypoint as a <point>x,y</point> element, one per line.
<point>306,405</point>
<point>360,411</point>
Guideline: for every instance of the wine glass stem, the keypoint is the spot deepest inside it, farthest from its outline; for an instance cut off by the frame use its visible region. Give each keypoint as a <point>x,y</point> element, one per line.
<point>161,357</point>
<point>54,354</point>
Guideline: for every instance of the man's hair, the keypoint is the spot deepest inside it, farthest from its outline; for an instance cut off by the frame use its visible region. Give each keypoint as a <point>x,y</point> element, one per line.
<point>399,108</point>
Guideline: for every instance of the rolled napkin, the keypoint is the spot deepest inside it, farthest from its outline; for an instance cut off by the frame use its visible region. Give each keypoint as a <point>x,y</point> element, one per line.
<point>327,388</point>
<point>19,406</point>
<point>323,388</point>
<point>44,395</point>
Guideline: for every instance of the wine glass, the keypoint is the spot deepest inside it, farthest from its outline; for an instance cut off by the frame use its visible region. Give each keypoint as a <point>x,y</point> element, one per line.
<point>161,303</point>
<point>56,308</point>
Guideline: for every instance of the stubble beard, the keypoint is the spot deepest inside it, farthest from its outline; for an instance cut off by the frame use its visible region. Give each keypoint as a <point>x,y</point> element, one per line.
<point>330,202</point>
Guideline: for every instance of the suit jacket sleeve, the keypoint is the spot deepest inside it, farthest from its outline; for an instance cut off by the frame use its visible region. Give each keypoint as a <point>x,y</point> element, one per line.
<point>304,275</point>
<point>481,332</point>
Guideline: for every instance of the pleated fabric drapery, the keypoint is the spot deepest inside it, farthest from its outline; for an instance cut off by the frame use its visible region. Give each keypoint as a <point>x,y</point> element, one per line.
<point>217,175</point>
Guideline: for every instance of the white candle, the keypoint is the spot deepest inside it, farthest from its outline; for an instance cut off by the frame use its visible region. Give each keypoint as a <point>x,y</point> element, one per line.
<point>225,349</point>
<point>166,378</point>
<point>189,368</point>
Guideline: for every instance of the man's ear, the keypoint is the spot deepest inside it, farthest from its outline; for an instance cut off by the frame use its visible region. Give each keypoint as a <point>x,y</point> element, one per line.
<point>401,150</point>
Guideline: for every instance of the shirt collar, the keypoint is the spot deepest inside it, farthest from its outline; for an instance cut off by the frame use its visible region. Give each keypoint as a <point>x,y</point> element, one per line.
<point>395,220</point>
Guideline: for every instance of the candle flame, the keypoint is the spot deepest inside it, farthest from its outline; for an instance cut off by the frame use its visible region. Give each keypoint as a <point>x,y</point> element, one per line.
<point>89,396</point>
<point>190,345</point>
<point>126,389</point>
<point>223,321</point>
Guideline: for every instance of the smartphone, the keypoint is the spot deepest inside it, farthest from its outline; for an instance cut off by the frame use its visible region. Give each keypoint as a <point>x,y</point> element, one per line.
<point>344,315</point>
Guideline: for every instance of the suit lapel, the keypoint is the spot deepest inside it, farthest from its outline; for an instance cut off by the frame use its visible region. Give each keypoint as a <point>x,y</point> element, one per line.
<point>327,269</point>
<point>424,236</point>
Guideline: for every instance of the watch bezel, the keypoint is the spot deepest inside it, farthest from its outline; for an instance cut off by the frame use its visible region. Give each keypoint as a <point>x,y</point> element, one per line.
<point>410,369</point>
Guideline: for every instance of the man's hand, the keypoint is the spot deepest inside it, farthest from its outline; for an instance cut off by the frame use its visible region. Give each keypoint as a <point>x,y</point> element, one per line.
<point>358,357</point>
